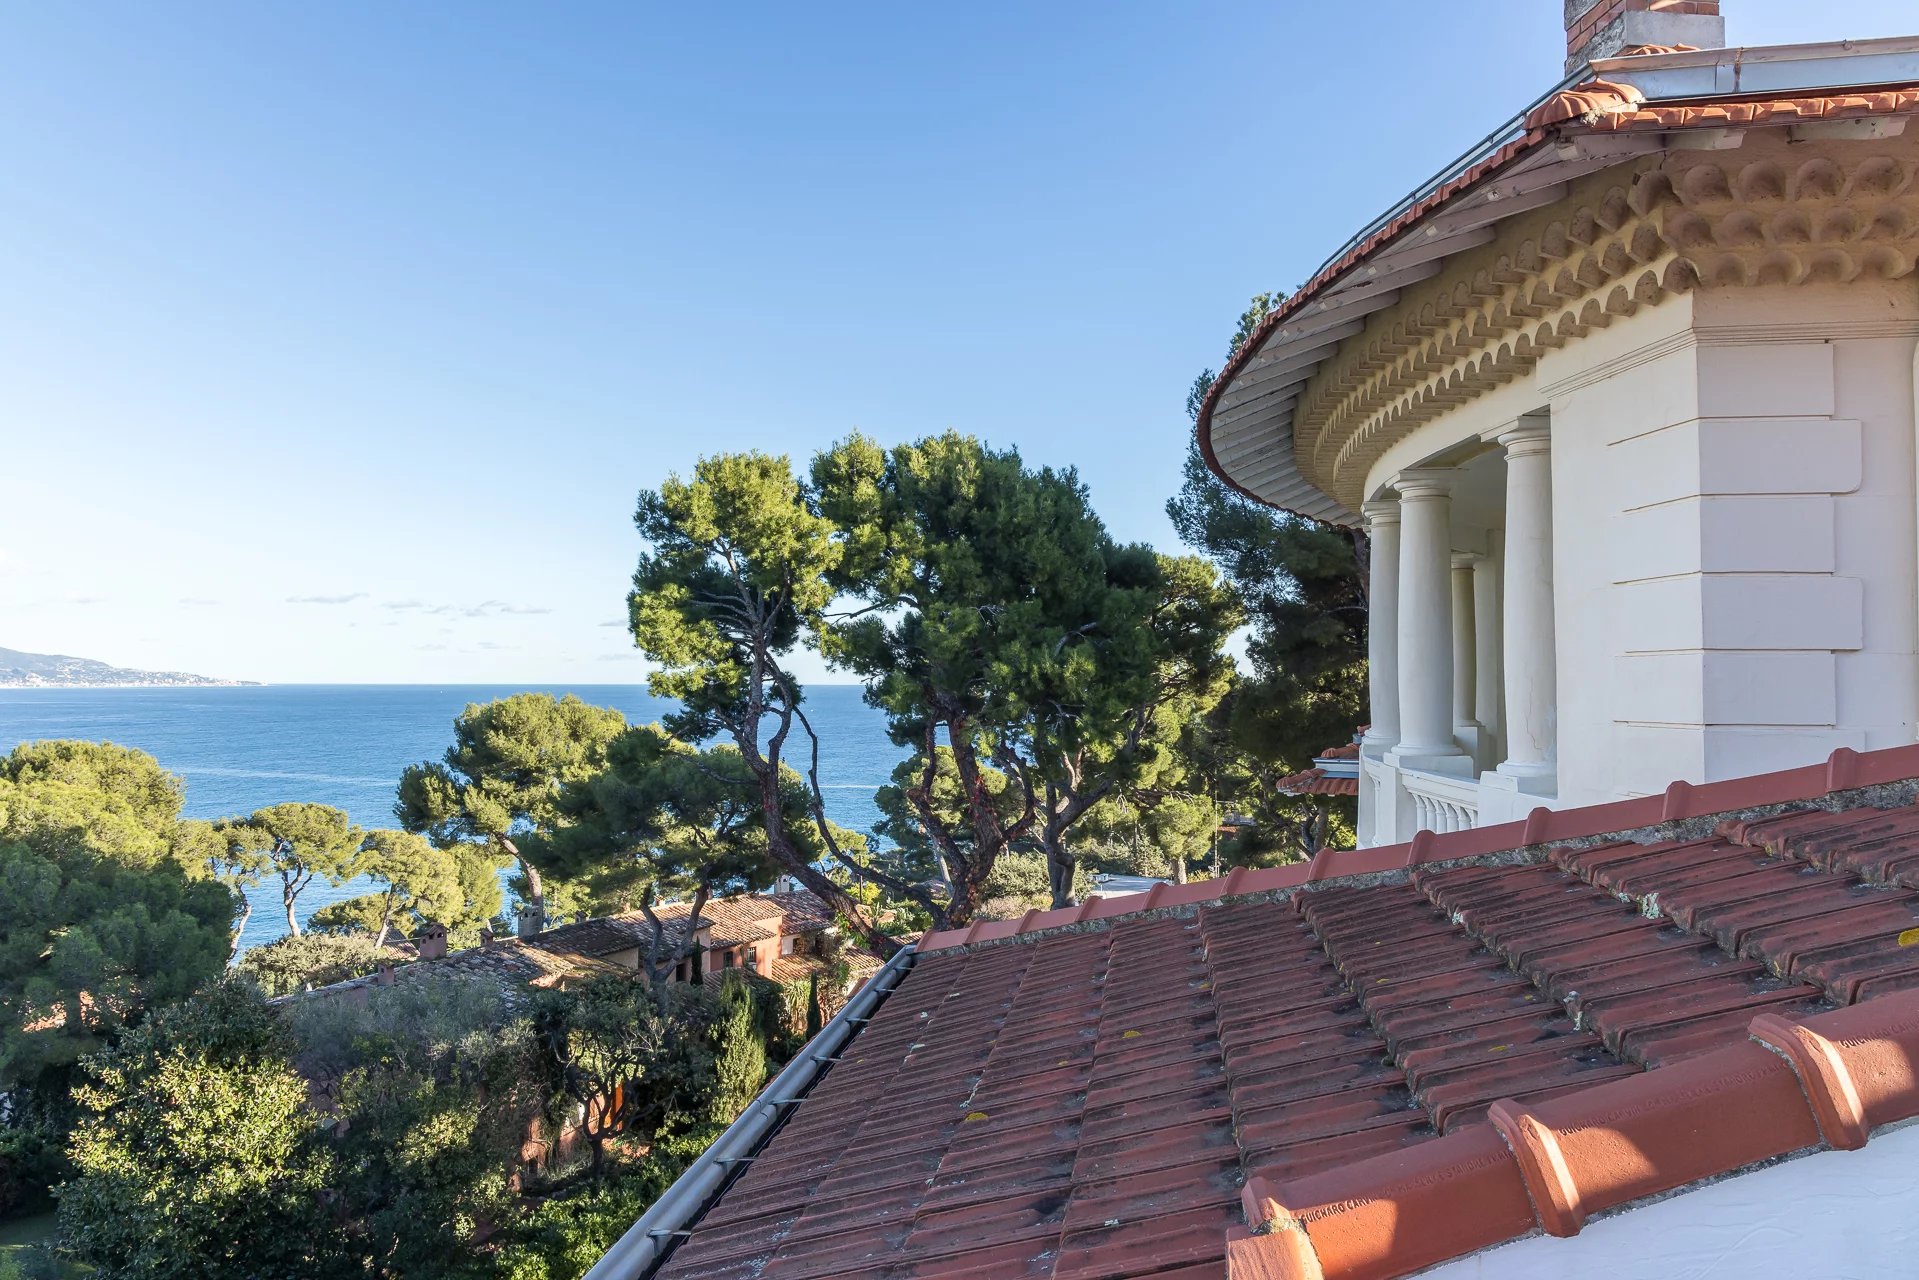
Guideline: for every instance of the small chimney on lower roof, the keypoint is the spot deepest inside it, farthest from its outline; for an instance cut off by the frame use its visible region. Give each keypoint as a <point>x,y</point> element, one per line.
<point>1601,28</point>
<point>432,943</point>
<point>529,920</point>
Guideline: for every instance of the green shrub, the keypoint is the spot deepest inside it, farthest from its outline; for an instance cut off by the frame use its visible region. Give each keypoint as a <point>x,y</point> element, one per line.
<point>739,1050</point>
<point>196,1151</point>
<point>314,959</point>
<point>32,1159</point>
<point>565,1235</point>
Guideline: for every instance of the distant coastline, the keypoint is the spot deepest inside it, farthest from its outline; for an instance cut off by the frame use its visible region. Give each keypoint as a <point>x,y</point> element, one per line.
<point>191,682</point>
<point>22,670</point>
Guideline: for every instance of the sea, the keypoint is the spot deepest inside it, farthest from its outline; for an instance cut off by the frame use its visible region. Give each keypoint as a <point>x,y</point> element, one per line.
<point>240,748</point>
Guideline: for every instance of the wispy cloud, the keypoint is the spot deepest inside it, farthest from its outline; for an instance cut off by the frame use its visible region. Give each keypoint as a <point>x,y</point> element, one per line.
<point>349,598</point>
<point>617,622</point>
<point>197,602</point>
<point>486,608</point>
<point>430,648</point>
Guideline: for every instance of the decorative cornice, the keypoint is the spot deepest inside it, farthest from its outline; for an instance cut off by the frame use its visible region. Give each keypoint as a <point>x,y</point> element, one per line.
<point>1632,237</point>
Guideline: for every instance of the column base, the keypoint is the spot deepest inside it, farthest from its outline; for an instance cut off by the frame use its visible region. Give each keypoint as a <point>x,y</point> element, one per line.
<point>1376,747</point>
<point>1428,760</point>
<point>1532,780</point>
<point>1511,797</point>
<point>1472,739</point>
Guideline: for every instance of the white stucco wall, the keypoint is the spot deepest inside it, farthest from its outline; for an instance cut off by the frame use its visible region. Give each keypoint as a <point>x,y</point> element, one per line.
<point>1837,1215</point>
<point>1736,555</point>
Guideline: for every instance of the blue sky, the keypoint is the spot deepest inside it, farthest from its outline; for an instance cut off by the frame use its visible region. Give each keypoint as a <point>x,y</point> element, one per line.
<point>336,340</point>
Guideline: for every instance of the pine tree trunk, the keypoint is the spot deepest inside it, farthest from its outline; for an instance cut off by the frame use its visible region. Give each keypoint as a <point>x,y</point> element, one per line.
<point>535,893</point>
<point>288,897</point>
<point>239,928</point>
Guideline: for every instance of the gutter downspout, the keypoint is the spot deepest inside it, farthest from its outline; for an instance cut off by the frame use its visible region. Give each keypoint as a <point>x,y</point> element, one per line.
<point>647,1241</point>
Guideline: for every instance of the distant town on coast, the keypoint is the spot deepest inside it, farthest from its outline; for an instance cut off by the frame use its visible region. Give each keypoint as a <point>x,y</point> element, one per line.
<point>19,670</point>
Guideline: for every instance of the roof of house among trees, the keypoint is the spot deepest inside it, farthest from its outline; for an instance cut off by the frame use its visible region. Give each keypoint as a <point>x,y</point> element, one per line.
<point>1372,1063</point>
<point>580,949</point>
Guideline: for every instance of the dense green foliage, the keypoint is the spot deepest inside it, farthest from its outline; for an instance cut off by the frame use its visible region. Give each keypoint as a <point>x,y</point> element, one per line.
<point>1005,626</point>
<point>739,1048</point>
<point>197,1157</point>
<point>296,844</point>
<point>198,1153</point>
<point>108,912</point>
<point>297,962</point>
<point>1033,664</point>
<point>565,1234</point>
<point>1304,584</point>
<point>503,774</point>
<point>665,821</point>
<point>733,577</point>
<point>1022,881</point>
<point>629,1056</point>
<point>439,1083</point>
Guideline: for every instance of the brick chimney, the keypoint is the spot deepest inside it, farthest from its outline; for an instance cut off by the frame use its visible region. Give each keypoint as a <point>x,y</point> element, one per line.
<point>1601,28</point>
<point>432,943</point>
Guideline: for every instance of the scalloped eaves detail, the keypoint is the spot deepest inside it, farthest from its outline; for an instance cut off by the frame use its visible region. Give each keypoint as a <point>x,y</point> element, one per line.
<point>1768,213</point>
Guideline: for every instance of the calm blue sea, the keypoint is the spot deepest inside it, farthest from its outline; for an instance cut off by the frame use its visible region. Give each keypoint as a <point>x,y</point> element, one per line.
<point>245,747</point>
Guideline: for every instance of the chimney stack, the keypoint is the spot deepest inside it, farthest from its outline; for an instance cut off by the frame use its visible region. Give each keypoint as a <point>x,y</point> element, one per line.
<point>529,921</point>
<point>432,944</point>
<point>1601,28</point>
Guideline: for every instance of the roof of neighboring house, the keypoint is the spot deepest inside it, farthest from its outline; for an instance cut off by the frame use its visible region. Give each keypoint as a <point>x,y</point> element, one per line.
<point>604,935</point>
<point>514,963</point>
<point>578,950</point>
<point>860,961</point>
<point>1519,168</point>
<point>1315,782</point>
<point>1366,1066</point>
<point>733,921</point>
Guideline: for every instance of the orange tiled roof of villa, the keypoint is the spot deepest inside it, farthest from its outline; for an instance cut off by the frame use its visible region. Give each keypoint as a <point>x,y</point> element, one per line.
<point>1367,1066</point>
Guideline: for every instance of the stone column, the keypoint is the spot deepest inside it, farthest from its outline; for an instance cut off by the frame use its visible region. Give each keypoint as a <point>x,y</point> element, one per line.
<point>1532,691</point>
<point>1465,653</point>
<point>1382,625</point>
<point>1486,629</point>
<point>1425,619</point>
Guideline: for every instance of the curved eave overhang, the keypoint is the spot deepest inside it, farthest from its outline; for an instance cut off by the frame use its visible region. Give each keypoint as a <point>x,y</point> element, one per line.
<point>1245,426</point>
<point>1246,422</point>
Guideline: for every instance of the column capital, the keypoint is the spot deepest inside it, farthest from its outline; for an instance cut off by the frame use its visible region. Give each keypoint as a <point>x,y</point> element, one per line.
<point>1380,511</point>
<point>1523,436</point>
<point>1466,560</point>
<point>1416,483</point>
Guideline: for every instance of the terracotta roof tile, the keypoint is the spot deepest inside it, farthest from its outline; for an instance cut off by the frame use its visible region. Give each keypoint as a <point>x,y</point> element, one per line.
<point>1316,782</point>
<point>1366,1067</point>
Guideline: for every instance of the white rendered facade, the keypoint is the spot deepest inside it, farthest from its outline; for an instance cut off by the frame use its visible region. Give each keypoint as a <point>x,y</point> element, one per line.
<point>1697,529</point>
<point>1632,428</point>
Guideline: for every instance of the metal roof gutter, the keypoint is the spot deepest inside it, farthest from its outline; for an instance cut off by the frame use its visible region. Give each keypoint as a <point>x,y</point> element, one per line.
<point>671,1217</point>
<point>1786,70</point>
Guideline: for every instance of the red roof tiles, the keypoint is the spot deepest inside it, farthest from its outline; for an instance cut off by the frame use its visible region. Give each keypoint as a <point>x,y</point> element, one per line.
<point>1368,1066</point>
<point>1316,782</point>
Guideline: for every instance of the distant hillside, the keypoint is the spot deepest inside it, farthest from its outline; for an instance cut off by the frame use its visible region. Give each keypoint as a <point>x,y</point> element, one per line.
<point>40,670</point>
